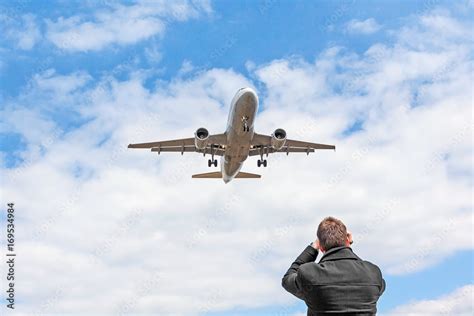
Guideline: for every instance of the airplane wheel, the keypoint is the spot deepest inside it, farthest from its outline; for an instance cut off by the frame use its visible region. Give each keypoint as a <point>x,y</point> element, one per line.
<point>209,163</point>
<point>215,163</point>
<point>259,163</point>
<point>265,163</point>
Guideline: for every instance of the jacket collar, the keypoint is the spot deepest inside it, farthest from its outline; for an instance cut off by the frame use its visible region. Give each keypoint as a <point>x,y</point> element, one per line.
<point>339,253</point>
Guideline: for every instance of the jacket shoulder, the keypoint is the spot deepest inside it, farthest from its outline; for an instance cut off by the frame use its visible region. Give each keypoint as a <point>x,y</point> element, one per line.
<point>372,265</point>
<point>374,268</point>
<point>308,270</point>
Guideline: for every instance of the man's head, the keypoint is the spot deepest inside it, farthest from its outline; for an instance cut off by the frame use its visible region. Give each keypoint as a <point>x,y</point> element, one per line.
<point>332,233</point>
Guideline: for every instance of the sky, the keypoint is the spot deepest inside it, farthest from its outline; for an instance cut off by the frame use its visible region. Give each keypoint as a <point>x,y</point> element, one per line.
<point>101,229</point>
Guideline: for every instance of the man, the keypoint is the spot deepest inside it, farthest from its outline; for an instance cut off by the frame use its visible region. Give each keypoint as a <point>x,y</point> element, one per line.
<point>341,282</point>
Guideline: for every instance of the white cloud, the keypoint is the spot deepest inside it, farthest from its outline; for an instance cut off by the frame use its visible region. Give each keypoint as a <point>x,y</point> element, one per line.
<point>153,54</point>
<point>459,302</point>
<point>60,84</point>
<point>25,33</point>
<point>121,24</point>
<point>367,26</point>
<point>186,67</point>
<point>404,179</point>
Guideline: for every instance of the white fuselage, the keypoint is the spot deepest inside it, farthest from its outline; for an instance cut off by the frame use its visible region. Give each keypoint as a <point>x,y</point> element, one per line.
<point>239,132</point>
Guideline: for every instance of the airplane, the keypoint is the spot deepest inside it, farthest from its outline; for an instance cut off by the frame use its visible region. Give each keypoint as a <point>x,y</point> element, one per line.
<point>237,143</point>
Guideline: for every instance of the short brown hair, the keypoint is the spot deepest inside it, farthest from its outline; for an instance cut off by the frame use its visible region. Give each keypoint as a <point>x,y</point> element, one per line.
<point>331,233</point>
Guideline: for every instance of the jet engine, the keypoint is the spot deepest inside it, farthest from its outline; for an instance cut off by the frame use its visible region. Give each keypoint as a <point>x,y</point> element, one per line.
<point>201,138</point>
<point>278,138</point>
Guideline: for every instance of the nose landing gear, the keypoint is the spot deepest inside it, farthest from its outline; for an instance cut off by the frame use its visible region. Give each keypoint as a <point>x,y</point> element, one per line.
<point>245,123</point>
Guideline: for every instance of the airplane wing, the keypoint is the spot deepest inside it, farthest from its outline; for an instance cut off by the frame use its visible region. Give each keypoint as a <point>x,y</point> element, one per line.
<point>216,143</point>
<point>166,143</point>
<point>285,149</point>
<point>262,143</point>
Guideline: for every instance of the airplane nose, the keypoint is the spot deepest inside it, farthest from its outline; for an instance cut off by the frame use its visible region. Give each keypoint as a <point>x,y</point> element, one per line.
<point>249,94</point>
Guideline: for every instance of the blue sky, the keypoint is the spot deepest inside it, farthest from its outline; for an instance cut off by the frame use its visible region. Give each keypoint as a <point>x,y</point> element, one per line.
<point>263,31</point>
<point>389,82</point>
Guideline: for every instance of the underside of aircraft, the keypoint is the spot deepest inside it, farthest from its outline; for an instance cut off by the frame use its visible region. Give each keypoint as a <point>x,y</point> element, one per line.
<point>237,143</point>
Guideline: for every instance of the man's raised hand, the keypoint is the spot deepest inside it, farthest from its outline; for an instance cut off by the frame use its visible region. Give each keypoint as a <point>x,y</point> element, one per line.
<point>315,244</point>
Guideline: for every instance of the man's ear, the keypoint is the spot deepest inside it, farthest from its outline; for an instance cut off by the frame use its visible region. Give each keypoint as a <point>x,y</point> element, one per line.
<point>349,240</point>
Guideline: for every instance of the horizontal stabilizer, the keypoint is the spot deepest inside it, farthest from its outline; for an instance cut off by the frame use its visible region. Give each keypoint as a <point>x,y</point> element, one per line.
<point>210,175</point>
<point>218,175</point>
<point>246,175</point>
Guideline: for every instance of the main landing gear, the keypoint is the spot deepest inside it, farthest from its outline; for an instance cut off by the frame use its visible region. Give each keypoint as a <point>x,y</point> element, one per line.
<point>261,162</point>
<point>212,162</point>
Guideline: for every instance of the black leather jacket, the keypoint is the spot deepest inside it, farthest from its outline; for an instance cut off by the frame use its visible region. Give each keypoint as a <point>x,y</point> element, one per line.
<point>340,283</point>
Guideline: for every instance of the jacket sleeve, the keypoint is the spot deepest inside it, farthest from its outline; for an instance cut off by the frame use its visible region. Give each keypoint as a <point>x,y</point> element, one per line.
<point>292,279</point>
<point>382,289</point>
<point>382,282</point>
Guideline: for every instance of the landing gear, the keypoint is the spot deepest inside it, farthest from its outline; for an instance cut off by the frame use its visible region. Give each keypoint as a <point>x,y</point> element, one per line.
<point>245,123</point>
<point>262,161</point>
<point>212,162</point>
